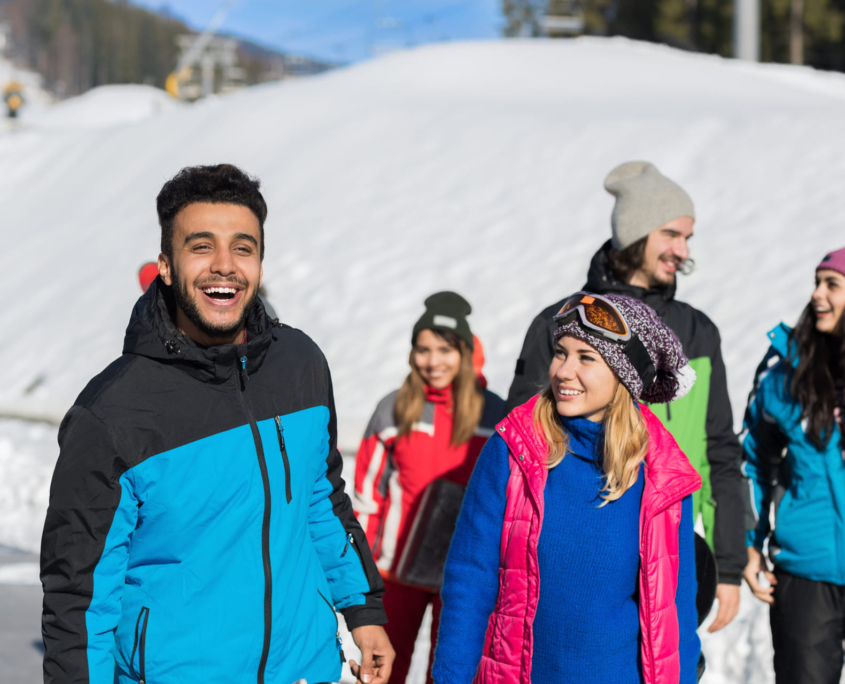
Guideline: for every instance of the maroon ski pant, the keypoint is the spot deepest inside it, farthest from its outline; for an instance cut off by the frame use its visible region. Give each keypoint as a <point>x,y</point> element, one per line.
<point>405,607</point>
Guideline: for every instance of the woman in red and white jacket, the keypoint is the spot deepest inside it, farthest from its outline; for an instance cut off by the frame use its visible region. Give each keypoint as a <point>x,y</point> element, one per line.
<point>433,427</point>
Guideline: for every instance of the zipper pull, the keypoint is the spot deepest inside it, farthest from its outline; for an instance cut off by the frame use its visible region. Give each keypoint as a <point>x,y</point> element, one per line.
<point>349,540</point>
<point>340,647</point>
<point>244,374</point>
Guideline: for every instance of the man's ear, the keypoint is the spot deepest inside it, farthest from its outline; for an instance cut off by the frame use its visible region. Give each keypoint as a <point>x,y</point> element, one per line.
<point>164,269</point>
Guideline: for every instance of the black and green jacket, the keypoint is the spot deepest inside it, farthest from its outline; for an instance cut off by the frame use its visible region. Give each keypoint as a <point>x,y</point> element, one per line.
<point>701,422</point>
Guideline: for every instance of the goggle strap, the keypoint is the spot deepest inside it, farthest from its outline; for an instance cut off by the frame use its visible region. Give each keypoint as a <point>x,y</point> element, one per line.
<point>639,357</point>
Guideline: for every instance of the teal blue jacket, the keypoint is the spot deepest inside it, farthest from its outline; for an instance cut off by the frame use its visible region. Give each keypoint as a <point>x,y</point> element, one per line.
<point>785,470</point>
<point>198,529</point>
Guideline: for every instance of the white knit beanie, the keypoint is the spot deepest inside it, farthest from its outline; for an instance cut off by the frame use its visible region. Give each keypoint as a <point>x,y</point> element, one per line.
<point>645,200</point>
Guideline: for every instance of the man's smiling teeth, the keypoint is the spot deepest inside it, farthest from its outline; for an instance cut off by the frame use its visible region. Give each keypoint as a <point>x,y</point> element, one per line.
<point>219,290</point>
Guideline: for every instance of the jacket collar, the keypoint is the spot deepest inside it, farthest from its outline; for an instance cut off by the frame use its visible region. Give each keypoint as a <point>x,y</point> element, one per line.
<point>668,473</point>
<point>439,396</point>
<point>779,339</point>
<point>527,447</point>
<point>153,334</point>
<point>601,280</point>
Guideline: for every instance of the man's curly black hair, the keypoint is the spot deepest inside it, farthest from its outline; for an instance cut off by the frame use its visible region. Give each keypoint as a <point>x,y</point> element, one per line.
<point>219,184</point>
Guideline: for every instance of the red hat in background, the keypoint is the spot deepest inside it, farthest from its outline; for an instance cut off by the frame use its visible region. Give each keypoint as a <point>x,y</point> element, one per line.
<point>147,274</point>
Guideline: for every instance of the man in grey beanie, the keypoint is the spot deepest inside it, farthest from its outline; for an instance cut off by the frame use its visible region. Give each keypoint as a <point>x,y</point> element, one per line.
<point>652,221</point>
<point>653,213</point>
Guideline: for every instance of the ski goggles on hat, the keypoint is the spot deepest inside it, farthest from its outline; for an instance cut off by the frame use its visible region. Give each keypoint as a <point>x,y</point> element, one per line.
<point>597,314</point>
<point>600,317</point>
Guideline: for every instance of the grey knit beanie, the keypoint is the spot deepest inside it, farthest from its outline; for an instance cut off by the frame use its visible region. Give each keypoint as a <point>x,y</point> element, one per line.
<point>645,200</point>
<point>674,376</point>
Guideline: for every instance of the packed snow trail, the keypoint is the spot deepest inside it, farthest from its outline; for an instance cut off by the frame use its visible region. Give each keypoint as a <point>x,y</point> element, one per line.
<point>476,167</point>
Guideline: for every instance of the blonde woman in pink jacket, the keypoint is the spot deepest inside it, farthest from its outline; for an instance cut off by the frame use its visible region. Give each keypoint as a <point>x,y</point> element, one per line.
<point>573,560</point>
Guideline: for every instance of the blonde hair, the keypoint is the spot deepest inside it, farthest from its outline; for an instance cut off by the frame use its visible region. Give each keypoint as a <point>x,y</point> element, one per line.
<point>467,395</point>
<point>625,439</point>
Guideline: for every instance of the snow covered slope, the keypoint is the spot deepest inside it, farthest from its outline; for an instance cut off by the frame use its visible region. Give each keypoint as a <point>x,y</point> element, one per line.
<point>111,105</point>
<point>476,167</point>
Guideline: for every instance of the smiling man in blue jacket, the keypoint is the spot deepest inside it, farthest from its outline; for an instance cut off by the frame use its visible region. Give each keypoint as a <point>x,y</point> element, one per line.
<point>198,528</point>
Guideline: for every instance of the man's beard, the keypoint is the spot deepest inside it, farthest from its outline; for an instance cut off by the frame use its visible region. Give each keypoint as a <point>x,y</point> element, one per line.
<point>189,307</point>
<point>684,267</point>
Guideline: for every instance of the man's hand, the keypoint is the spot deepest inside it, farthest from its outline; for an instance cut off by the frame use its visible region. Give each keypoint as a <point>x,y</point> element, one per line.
<point>756,565</point>
<point>728,597</point>
<point>376,655</point>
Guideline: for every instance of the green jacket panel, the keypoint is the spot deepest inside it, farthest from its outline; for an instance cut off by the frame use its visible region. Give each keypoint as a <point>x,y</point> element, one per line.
<point>686,419</point>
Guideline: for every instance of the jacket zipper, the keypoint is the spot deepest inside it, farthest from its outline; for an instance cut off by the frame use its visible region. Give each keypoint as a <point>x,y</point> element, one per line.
<point>265,524</point>
<point>668,411</point>
<point>337,633</point>
<point>142,642</point>
<point>280,431</point>
<point>350,541</point>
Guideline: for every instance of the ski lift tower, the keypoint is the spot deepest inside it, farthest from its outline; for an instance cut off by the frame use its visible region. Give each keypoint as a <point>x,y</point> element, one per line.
<point>216,56</point>
<point>209,52</point>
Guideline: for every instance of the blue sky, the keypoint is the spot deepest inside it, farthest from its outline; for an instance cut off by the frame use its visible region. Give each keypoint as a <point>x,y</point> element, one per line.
<point>344,30</point>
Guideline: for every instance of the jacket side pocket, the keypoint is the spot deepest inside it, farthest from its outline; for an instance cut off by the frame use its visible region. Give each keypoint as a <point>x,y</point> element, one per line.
<point>140,646</point>
<point>337,633</point>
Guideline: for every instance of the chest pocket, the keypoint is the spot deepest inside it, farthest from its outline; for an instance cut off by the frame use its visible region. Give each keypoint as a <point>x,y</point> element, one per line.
<point>280,433</point>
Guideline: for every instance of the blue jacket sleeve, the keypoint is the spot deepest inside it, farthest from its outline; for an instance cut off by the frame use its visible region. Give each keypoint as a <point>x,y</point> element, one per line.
<point>341,545</point>
<point>689,645</point>
<point>762,446</point>
<point>471,580</point>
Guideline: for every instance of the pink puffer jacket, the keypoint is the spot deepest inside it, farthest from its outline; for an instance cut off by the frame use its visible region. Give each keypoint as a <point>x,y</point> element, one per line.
<point>508,645</point>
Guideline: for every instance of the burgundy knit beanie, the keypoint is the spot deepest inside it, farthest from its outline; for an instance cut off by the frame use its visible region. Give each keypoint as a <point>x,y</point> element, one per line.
<point>675,377</point>
<point>835,261</point>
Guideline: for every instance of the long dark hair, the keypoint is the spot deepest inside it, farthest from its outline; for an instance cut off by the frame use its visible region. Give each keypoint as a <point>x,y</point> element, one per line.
<point>821,362</point>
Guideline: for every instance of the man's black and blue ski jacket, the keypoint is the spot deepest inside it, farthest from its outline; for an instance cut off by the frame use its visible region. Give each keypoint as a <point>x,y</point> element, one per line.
<point>198,529</point>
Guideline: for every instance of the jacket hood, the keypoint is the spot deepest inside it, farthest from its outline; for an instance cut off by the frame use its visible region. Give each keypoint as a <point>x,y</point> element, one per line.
<point>602,280</point>
<point>153,334</point>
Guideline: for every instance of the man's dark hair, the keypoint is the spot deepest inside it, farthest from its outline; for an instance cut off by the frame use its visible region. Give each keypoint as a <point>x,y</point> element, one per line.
<point>220,184</point>
<point>819,365</point>
<point>624,262</point>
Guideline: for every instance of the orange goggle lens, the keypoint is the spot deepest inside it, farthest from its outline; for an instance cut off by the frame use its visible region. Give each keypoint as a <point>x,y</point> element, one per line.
<point>597,313</point>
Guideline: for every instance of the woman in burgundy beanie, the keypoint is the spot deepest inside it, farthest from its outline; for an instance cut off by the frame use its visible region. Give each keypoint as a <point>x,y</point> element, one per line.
<point>794,458</point>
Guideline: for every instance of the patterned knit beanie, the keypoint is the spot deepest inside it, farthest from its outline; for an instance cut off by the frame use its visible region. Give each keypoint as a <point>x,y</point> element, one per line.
<point>674,376</point>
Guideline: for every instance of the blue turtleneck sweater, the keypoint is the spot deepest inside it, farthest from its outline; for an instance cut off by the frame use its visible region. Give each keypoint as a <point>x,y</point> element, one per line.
<point>587,626</point>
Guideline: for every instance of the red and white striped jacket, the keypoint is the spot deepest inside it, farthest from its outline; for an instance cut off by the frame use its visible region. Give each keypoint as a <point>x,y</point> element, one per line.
<point>391,475</point>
